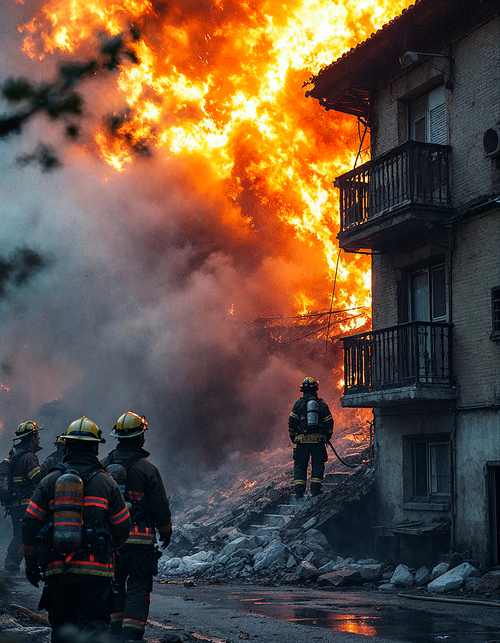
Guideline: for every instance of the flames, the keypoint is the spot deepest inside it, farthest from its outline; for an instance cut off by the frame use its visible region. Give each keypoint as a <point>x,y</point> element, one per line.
<point>221,83</point>
<point>218,87</point>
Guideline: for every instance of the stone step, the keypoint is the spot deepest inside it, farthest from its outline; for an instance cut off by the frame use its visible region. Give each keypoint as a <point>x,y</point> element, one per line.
<point>278,520</point>
<point>261,530</point>
<point>287,510</point>
<point>335,477</point>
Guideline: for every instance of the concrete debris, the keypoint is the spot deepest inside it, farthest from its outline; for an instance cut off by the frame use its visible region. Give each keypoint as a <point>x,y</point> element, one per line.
<point>452,579</point>
<point>402,577</point>
<point>489,582</point>
<point>307,571</point>
<point>274,555</point>
<point>422,576</point>
<point>258,531</point>
<point>439,570</point>
<point>340,578</point>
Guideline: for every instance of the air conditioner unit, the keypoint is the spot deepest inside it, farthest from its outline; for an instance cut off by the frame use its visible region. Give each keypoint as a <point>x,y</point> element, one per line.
<point>491,141</point>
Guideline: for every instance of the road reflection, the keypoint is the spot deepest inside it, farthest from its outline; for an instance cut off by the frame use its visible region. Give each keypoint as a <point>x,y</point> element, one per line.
<point>371,621</point>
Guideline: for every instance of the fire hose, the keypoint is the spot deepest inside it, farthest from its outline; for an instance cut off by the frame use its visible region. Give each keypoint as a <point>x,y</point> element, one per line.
<point>464,601</point>
<point>351,466</point>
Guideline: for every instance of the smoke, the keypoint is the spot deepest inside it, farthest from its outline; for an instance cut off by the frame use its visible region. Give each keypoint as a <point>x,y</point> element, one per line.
<point>17,269</point>
<point>154,279</point>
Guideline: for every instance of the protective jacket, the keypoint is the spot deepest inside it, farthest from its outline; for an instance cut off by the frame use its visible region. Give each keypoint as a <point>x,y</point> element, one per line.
<point>297,422</point>
<point>103,509</point>
<point>50,462</point>
<point>139,558</point>
<point>151,509</point>
<point>25,475</point>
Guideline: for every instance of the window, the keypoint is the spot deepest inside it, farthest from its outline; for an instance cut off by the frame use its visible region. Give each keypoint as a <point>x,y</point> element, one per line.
<point>430,469</point>
<point>427,117</point>
<point>495,309</point>
<point>427,294</point>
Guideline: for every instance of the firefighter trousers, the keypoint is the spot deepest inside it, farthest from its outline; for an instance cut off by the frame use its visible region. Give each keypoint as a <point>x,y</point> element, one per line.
<point>15,549</point>
<point>316,451</point>
<point>134,578</point>
<point>86,604</point>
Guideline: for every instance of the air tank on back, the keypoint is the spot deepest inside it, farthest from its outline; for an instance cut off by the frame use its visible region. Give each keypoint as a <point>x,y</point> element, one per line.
<point>312,414</point>
<point>119,475</point>
<point>68,512</point>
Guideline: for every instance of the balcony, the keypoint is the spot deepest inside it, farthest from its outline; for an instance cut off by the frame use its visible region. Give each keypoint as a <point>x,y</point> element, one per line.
<point>395,198</point>
<point>406,363</point>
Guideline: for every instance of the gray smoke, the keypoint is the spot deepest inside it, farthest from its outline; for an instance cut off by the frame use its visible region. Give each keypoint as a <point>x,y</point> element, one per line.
<point>147,304</point>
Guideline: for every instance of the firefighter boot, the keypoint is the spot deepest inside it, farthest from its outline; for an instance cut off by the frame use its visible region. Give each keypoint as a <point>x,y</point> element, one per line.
<point>316,489</point>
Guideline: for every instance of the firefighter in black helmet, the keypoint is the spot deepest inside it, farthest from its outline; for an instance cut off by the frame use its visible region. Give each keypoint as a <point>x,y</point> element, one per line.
<point>77,576</point>
<point>149,507</point>
<point>55,458</point>
<point>310,426</point>
<point>25,477</point>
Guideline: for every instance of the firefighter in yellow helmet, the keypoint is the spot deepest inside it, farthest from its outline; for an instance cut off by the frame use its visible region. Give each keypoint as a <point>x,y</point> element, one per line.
<point>25,475</point>
<point>77,582</point>
<point>149,507</point>
<point>310,426</point>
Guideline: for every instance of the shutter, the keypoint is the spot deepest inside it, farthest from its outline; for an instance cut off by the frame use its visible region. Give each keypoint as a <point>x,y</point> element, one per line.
<point>437,116</point>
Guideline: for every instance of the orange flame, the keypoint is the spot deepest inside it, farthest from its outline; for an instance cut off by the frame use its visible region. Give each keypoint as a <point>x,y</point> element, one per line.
<point>224,87</point>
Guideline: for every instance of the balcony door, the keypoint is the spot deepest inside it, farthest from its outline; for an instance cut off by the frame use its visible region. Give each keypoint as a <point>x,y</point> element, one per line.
<point>427,303</point>
<point>427,117</point>
<point>427,300</point>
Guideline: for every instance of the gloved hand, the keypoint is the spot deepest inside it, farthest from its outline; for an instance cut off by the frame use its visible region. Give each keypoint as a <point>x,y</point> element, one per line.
<point>33,573</point>
<point>165,540</point>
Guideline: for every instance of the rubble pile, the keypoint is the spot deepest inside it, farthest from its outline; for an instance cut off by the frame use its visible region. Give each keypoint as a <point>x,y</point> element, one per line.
<point>234,528</point>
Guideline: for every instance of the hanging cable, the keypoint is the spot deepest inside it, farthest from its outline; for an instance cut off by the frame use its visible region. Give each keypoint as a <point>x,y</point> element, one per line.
<point>331,302</point>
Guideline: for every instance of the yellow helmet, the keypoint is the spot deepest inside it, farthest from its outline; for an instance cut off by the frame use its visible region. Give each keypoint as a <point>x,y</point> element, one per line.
<point>83,429</point>
<point>129,425</point>
<point>25,428</point>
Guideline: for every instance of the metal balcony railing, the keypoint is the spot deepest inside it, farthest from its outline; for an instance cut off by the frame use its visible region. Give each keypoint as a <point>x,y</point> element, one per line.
<point>412,174</point>
<point>415,353</point>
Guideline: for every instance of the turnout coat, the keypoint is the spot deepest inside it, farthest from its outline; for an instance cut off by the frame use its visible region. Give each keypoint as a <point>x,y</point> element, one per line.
<point>145,487</point>
<point>103,507</point>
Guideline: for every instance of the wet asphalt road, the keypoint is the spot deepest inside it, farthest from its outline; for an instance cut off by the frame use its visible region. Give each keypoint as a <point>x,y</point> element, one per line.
<point>294,614</point>
<point>230,613</point>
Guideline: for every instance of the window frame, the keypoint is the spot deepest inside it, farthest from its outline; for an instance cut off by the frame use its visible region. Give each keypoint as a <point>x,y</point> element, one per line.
<point>421,112</point>
<point>430,271</point>
<point>433,494</point>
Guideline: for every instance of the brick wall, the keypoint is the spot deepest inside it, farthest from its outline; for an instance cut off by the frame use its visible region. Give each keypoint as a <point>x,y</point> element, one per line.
<point>472,104</point>
<point>475,270</point>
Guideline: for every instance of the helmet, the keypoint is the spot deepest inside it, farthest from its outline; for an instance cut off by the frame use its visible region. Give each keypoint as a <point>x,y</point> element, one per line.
<point>59,440</point>
<point>129,425</point>
<point>26,428</point>
<point>309,384</point>
<point>83,429</point>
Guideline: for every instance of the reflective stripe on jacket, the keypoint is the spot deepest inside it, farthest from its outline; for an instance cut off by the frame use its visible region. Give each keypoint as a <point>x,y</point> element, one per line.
<point>25,475</point>
<point>297,422</point>
<point>103,506</point>
<point>144,486</point>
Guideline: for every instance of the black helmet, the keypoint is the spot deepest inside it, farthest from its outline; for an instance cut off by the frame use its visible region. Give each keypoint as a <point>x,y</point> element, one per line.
<point>309,384</point>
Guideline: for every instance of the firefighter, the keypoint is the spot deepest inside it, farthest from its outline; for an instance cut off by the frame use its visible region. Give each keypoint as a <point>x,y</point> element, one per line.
<point>310,426</point>
<point>25,477</point>
<point>78,576</point>
<point>55,458</point>
<point>150,511</point>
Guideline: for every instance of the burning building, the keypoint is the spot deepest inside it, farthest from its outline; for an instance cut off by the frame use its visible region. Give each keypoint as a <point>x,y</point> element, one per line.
<point>427,209</point>
<point>184,219</point>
